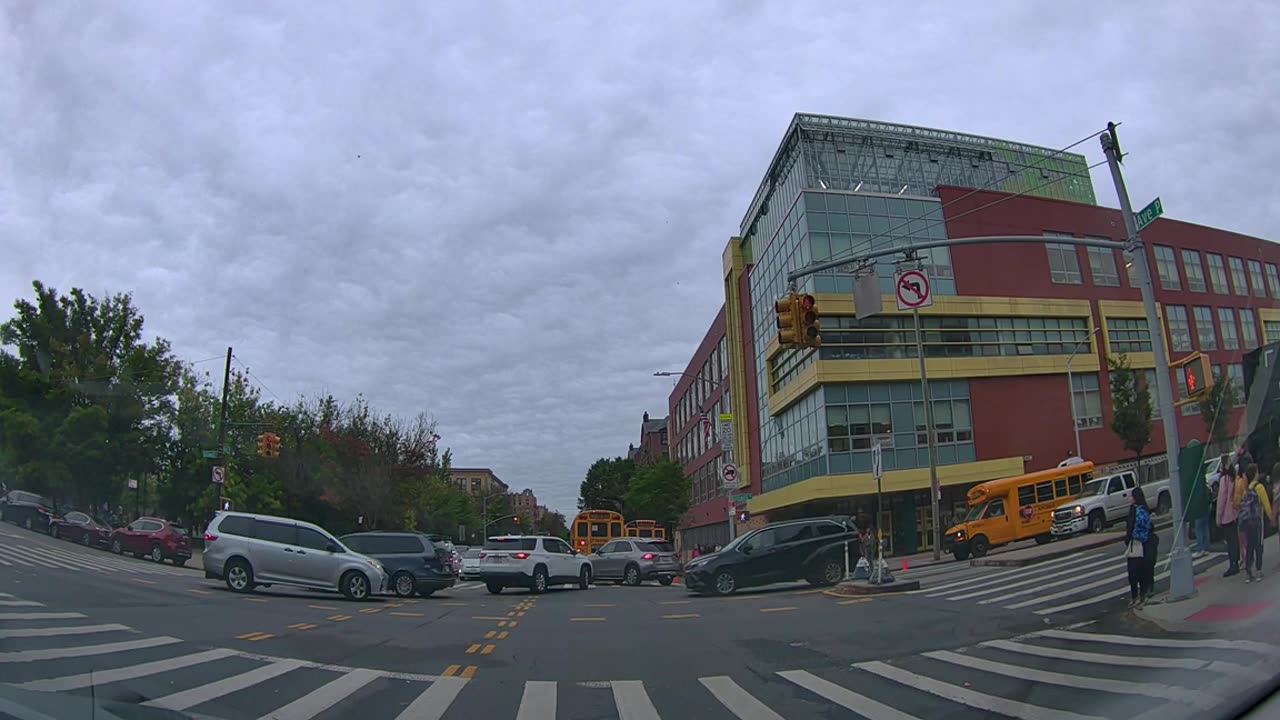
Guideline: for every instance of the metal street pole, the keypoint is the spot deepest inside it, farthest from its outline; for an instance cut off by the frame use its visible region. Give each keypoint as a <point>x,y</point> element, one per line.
<point>934,489</point>
<point>222,433</point>
<point>1071,388</point>
<point>1180,568</point>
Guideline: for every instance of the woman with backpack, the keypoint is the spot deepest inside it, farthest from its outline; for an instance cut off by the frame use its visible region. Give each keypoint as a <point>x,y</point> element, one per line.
<point>1138,532</point>
<point>1255,508</point>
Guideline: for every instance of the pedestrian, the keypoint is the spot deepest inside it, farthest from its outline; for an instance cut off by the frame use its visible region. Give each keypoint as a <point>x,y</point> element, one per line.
<point>1255,512</point>
<point>1137,533</point>
<point>1202,522</point>
<point>1227,515</point>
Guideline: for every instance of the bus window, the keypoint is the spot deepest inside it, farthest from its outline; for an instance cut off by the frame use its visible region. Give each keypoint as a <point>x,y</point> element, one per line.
<point>1026,495</point>
<point>582,528</point>
<point>1060,487</point>
<point>1074,484</point>
<point>615,530</point>
<point>1044,492</point>
<point>995,509</point>
<point>599,530</point>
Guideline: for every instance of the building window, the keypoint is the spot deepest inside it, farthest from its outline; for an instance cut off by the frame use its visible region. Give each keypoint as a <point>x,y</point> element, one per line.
<point>1088,400</point>
<point>1237,276</point>
<point>1128,335</point>
<point>1179,328</point>
<point>1271,330</point>
<point>1230,336</point>
<point>1064,264</point>
<point>892,337</point>
<point>1204,329</point>
<point>1273,281</point>
<point>1235,374</point>
<point>1167,268</point>
<point>1248,328</point>
<point>1194,270</point>
<point>1102,265</point>
<point>1217,274</point>
<point>894,412</point>
<point>1255,275</point>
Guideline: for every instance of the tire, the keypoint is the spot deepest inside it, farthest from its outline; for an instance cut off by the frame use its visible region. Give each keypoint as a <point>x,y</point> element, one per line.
<point>1164,504</point>
<point>156,555</point>
<point>239,576</point>
<point>664,581</point>
<point>979,546</point>
<point>179,562</point>
<point>584,578</point>
<point>54,532</point>
<point>832,572</point>
<point>960,555</point>
<point>116,547</point>
<point>1097,521</point>
<point>725,583</point>
<point>631,576</point>
<point>539,584</point>
<point>354,586</point>
<point>85,541</point>
<point>1044,539</point>
<point>402,584</point>
<point>494,588</point>
<point>26,522</point>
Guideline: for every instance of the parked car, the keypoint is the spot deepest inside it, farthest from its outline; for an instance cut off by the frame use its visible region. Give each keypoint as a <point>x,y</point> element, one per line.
<point>81,528</point>
<point>812,549</point>
<point>631,561</point>
<point>413,562</point>
<point>471,564</point>
<point>153,538</point>
<point>27,509</point>
<point>246,551</point>
<point>533,562</point>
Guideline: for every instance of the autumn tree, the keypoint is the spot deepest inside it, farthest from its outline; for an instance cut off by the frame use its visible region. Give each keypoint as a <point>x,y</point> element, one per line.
<point>1130,406</point>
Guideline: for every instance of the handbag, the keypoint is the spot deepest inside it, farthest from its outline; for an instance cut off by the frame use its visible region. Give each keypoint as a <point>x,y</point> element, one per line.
<point>1134,550</point>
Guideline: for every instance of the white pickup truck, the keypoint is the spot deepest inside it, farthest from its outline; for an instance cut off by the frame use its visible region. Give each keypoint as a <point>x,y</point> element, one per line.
<point>1105,500</point>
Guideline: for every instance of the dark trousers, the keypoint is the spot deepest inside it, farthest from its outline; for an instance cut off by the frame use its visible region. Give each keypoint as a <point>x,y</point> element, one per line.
<point>1150,551</point>
<point>1233,545</point>
<point>1252,533</point>
<point>1137,576</point>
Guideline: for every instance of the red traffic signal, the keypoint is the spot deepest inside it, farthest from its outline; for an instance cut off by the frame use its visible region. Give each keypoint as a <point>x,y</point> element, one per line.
<point>810,325</point>
<point>516,520</point>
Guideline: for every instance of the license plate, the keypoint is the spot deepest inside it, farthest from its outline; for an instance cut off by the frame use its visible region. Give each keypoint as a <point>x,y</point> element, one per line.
<point>493,559</point>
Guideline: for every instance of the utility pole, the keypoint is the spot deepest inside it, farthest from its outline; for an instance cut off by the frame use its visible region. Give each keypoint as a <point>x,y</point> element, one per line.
<point>1180,568</point>
<point>222,432</point>
<point>934,490</point>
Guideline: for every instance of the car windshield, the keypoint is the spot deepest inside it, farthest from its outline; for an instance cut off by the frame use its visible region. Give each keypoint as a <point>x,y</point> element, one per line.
<point>975,512</point>
<point>472,554</point>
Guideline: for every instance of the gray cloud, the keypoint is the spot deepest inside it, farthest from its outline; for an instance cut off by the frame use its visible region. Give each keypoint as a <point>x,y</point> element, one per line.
<point>411,201</point>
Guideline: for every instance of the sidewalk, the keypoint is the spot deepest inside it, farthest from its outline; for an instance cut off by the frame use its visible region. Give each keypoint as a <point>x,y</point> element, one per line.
<point>1221,605</point>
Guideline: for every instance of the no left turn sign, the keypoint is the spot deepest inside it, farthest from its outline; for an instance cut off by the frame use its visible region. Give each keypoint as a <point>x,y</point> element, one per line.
<point>912,289</point>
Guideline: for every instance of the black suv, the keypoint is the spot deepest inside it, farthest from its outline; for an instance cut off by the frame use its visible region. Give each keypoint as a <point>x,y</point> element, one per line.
<point>811,549</point>
<point>29,510</point>
<point>413,563</point>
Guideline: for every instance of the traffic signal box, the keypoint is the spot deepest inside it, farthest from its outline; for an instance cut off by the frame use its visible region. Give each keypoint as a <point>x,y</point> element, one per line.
<point>810,325</point>
<point>1197,377</point>
<point>264,445</point>
<point>799,321</point>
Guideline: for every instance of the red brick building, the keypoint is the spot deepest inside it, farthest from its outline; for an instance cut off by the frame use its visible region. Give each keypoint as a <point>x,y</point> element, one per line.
<point>653,441</point>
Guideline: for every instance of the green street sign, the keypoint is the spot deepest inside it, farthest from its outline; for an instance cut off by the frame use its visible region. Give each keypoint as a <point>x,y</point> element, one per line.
<point>211,454</point>
<point>1148,214</point>
<point>741,498</point>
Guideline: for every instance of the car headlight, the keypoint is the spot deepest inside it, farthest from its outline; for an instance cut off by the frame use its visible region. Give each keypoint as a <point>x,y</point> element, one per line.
<point>1079,511</point>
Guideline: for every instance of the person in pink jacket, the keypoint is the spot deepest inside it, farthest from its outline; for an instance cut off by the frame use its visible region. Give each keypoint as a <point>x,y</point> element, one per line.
<point>1227,511</point>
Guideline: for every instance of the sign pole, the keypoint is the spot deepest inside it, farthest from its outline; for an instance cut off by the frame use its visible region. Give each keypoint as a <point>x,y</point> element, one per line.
<point>877,469</point>
<point>222,432</point>
<point>934,489</point>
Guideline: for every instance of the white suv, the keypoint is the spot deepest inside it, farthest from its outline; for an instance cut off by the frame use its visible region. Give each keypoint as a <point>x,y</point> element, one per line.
<point>533,562</point>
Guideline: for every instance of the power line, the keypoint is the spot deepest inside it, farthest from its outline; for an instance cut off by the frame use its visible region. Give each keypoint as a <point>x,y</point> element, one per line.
<point>257,380</point>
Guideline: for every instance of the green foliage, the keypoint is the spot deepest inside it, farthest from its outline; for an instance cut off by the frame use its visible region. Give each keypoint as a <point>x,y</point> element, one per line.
<point>1215,410</point>
<point>1130,406</point>
<point>605,486</point>
<point>659,492</point>
<point>552,523</point>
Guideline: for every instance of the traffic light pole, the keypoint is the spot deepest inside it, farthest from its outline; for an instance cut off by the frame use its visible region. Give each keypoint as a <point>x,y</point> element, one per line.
<point>222,432</point>
<point>934,488</point>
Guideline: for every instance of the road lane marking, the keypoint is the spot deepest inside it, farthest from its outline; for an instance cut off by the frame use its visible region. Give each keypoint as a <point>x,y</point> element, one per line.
<point>85,650</point>
<point>502,623</point>
<point>587,619</point>
<point>520,614</point>
<point>473,649</point>
<point>144,582</point>
<point>860,704</point>
<point>503,635</point>
<point>451,670</point>
<point>214,690</point>
<point>453,604</point>
<point>40,616</point>
<point>510,624</point>
<point>739,702</point>
<point>20,603</point>
<point>323,698</point>
<point>488,649</point>
<point>322,607</point>
<point>681,617</point>
<point>538,701</point>
<point>489,635</point>
<point>370,611</point>
<point>255,635</point>
<point>257,600</point>
<point>435,700</point>
<point>303,626</point>
<point>676,602</point>
<point>1216,644</point>
<point>511,614</point>
<point>632,701</point>
<point>339,618</point>
<point>408,614</point>
<point>854,601</point>
<point>470,672</point>
<point>67,630</point>
<point>487,617</point>
<point>779,609</point>
<point>1162,663</point>
<point>199,592</point>
<point>6,595</point>
<point>972,698</point>
<point>131,672</point>
<point>600,605</point>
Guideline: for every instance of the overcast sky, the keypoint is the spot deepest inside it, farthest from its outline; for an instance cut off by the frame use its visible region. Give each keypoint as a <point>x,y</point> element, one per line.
<point>510,214</point>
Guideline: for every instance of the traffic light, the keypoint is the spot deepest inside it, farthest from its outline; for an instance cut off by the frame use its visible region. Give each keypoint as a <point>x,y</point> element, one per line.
<point>226,503</point>
<point>516,519</point>
<point>275,444</point>
<point>264,445</point>
<point>1197,376</point>
<point>810,326</point>
<point>787,314</point>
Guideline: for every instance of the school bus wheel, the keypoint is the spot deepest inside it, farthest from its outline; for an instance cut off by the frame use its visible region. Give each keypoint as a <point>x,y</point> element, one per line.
<point>979,545</point>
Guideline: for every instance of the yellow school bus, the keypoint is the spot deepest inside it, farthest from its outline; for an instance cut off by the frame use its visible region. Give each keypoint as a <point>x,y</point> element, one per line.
<point>646,529</point>
<point>1014,508</point>
<point>593,528</point>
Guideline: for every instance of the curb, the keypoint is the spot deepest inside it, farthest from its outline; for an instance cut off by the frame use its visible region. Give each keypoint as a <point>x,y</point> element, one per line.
<point>1055,554</point>
<point>857,589</point>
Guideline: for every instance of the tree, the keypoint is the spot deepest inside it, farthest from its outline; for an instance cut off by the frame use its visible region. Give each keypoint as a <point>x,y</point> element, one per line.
<point>552,523</point>
<point>605,486</point>
<point>1215,409</point>
<point>659,492</point>
<point>1130,406</point>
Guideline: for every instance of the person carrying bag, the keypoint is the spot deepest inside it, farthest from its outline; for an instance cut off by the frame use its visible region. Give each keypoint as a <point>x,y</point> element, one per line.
<point>1137,533</point>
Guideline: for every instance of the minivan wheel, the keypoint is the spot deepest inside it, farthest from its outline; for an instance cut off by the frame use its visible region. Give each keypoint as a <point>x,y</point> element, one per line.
<point>157,555</point>
<point>539,580</point>
<point>633,575</point>
<point>402,584</point>
<point>239,576</point>
<point>584,578</point>
<point>355,586</point>
<point>725,582</point>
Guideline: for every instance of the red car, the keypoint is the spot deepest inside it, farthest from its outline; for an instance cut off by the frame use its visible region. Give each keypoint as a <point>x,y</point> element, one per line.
<point>81,528</point>
<point>153,538</point>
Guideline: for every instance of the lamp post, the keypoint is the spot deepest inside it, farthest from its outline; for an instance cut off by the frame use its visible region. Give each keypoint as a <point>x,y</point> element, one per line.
<point>1071,388</point>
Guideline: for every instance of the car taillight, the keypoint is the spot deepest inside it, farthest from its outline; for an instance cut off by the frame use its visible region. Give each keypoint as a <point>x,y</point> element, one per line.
<point>210,537</point>
<point>481,556</point>
<point>521,556</point>
<point>42,511</point>
<point>647,556</point>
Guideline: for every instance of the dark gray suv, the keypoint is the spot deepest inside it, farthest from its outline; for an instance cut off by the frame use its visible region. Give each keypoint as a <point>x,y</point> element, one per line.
<point>812,549</point>
<point>413,562</point>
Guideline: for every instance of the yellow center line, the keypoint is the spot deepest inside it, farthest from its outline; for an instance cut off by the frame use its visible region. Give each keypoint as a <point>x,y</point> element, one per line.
<point>339,618</point>
<point>779,609</point>
<point>487,649</point>
<point>199,592</point>
<point>502,623</point>
<point>487,617</point>
<point>489,635</point>
<point>520,614</point>
<point>676,602</point>
<point>297,626</point>
<point>600,605</point>
<point>248,636</point>
<point>472,650</point>
<point>510,624</point>
<point>370,611</point>
<point>588,619</point>
<point>469,673</point>
<point>449,671</point>
<point>681,617</point>
<point>502,635</point>
<point>263,636</point>
<point>408,614</point>
<point>322,607</point>
<point>145,582</point>
<point>511,614</point>
<point>854,601</point>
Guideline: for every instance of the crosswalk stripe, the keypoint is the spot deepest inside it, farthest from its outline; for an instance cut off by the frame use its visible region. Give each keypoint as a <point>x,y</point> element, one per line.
<point>632,701</point>
<point>1038,587</point>
<point>972,698</point>
<point>132,672</point>
<point>112,562</point>
<point>538,701</point>
<point>985,577</point>
<point>29,558</point>
<point>65,630</point>
<point>739,702</point>
<point>861,704</point>
<point>48,555</point>
<point>12,559</point>
<point>323,698</point>
<point>1149,662</point>
<point>432,703</point>
<point>20,603</point>
<point>1070,573</point>
<point>40,615</point>
<point>6,563</point>
<point>211,691</point>
<point>107,563</point>
<point>1199,698</point>
<point>1213,643</point>
<point>1113,592</point>
<point>84,650</point>
<point>6,595</point>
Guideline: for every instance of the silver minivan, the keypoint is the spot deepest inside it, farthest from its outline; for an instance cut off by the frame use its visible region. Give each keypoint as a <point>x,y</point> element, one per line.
<point>247,550</point>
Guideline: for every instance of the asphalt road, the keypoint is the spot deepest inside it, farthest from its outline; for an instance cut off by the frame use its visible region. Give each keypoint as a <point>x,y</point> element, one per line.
<point>1048,641</point>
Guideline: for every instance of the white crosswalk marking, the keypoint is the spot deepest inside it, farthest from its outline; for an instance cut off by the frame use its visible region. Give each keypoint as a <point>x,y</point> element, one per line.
<point>323,698</point>
<point>632,701</point>
<point>132,672</point>
<point>864,706</point>
<point>12,559</point>
<point>433,701</point>
<point>972,698</point>
<point>1212,643</point>
<point>65,630</point>
<point>28,557</point>
<point>538,701</point>
<point>739,702</point>
<point>40,615</point>
<point>85,650</point>
<point>204,693</point>
<point>20,603</point>
<point>989,578</point>
<point>1218,666</point>
<point>1038,584</point>
<point>1039,577</point>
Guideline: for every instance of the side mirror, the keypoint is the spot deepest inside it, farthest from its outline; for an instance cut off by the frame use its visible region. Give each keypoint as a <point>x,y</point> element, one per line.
<point>331,547</point>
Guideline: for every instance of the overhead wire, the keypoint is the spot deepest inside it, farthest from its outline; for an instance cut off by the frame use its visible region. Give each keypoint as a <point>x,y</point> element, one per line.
<point>257,379</point>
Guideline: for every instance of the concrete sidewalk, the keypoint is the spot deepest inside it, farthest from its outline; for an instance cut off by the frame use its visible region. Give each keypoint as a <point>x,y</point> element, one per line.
<point>1223,605</point>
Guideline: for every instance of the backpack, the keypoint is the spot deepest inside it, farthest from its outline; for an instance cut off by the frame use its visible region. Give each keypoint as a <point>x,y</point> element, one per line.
<point>1250,507</point>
